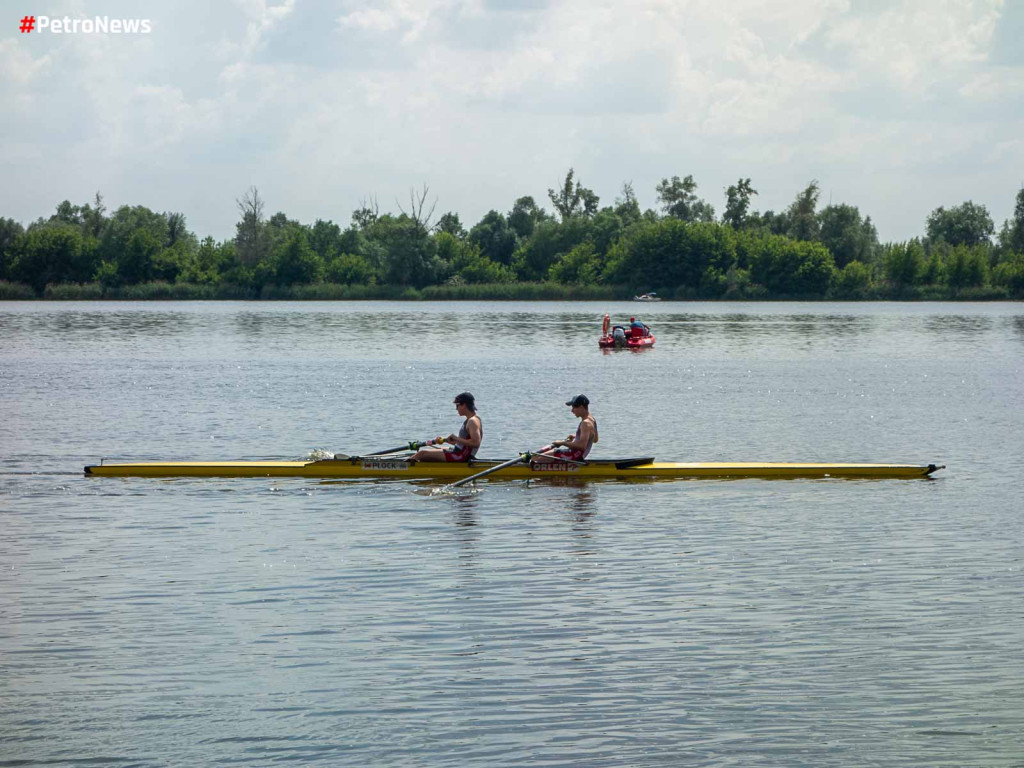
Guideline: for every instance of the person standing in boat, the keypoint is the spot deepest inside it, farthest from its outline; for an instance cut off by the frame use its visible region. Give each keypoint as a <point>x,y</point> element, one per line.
<point>463,446</point>
<point>574,447</point>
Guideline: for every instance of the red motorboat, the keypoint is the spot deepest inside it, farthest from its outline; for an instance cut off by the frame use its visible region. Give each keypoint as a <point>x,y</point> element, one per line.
<point>636,335</point>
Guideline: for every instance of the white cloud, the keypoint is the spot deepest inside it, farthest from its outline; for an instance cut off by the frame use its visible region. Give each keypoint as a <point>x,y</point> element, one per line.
<point>321,103</point>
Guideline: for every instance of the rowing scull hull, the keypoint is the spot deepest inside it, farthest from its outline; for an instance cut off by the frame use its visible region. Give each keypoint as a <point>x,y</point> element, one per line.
<point>388,468</point>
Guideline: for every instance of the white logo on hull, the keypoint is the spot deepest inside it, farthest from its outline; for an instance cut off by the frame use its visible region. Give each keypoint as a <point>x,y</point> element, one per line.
<point>554,466</point>
<point>386,465</point>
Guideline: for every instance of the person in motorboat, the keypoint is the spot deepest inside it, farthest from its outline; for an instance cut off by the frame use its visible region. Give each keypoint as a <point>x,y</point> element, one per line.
<point>637,329</point>
<point>574,447</point>
<point>463,446</point>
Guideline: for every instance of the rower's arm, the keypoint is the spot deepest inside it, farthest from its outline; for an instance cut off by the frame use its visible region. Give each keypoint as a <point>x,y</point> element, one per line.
<point>474,439</point>
<point>579,445</point>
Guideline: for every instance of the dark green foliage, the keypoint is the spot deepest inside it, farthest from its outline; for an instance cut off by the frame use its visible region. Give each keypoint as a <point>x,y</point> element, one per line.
<point>679,200</point>
<point>1010,274</point>
<point>793,268</point>
<point>584,252</point>
<point>627,207</point>
<point>571,201</point>
<point>737,203</point>
<point>846,235</point>
<point>525,216</point>
<point>854,282</point>
<point>903,264</point>
<point>966,268</point>
<point>536,256</point>
<point>1011,236</point>
<point>495,239</point>
<point>350,269</point>
<point>52,253</point>
<point>800,217</point>
<point>449,223</point>
<point>11,233</point>
<point>295,261</point>
<point>967,224</point>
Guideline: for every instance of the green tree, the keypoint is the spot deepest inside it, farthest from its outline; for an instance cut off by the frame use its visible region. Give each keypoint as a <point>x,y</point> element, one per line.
<point>573,200</point>
<point>627,207</point>
<point>737,203</point>
<point>1010,273</point>
<point>966,224</point>
<point>468,265</point>
<point>966,267</point>
<point>669,255</point>
<point>582,265</point>
<point>451,224</point>
<point>295,262</point>
<point>135,262</point>
<point>550,239</point>
<point>495,239</point>
<point>251,239</point>
<point>848,237</point>
<point>351,269</point>
<point>679,200</point>
<point>11,234</point>
<point>325,239</point>
<point>132,237</point>
<point>904,263</point>
<point>92,216</point>
<point>525,216</point>
<point>206,265</point>
<point>803,223</point>
<point>793,267</point>
<point>409,255</point>
<point>854,281</point>
<point>176,229</point>
<point>367,214</point>
<point>1011,238</point>
<point>52,254</point>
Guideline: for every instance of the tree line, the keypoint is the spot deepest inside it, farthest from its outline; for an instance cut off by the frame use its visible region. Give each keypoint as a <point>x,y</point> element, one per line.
<point>577,249</point>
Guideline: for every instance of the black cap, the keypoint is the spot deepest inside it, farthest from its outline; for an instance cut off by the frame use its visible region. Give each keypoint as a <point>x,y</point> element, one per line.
<point>579,400</point>
<point>467,399</point>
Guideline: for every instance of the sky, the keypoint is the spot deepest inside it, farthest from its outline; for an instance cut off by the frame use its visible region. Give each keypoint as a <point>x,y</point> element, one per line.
<point>896,107</point>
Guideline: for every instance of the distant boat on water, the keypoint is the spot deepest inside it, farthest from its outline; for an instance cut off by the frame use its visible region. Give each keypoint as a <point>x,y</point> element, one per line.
<point>652,296</point>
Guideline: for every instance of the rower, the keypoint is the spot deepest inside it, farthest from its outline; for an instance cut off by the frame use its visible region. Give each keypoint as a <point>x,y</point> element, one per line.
<point>463,445</point>
<point>574,447</point>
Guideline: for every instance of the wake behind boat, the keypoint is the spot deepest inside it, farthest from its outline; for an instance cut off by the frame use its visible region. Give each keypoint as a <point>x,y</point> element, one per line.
<point>356,467</point>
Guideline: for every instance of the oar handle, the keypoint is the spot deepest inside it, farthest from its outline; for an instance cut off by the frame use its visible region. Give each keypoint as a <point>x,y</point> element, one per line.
<point>417,444</point>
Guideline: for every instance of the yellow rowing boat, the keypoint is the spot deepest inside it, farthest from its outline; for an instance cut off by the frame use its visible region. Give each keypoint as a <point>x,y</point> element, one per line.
<point>370,467</point>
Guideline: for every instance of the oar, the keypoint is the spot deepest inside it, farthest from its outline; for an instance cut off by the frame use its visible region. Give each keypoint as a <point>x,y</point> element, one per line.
<point>415,445</point>
<point>524,457</point>
<point>521,457</point>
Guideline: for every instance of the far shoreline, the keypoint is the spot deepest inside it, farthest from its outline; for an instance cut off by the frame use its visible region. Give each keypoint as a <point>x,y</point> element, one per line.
<point>161,291</point>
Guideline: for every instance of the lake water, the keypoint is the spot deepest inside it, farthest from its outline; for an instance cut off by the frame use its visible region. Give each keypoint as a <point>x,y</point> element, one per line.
<point>705,623</point>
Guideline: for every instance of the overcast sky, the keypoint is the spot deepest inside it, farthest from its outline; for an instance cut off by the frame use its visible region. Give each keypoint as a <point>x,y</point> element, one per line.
<point>895,107</point>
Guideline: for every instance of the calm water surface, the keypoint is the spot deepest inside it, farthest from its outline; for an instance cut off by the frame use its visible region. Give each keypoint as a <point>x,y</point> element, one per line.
<point>706,623</point>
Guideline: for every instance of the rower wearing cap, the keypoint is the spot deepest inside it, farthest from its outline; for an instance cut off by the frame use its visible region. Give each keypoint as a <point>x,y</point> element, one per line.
<point>574,447</point>
<point>463,445</point>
